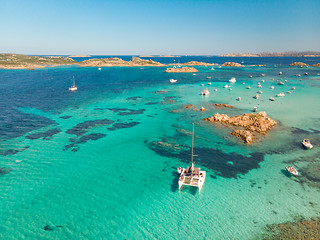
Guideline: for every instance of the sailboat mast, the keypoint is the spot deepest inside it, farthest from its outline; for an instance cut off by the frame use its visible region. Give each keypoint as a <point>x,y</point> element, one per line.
<point>192,162</point>
<point>73,82</point>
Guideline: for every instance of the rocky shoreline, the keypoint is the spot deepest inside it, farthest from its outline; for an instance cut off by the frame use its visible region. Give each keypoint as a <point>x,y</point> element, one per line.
<point>249,124</point>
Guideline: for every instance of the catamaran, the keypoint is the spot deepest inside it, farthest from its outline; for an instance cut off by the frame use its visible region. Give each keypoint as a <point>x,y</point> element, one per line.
<point>73,87</point>
<point>191,176</point>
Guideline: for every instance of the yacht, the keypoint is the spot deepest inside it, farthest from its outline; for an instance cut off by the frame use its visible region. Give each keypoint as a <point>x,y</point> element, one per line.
<point>226,86</point>
<point>191,176</point>
<point>99,68</point>
<point>232,80</point>
<point>205,92</point>
<point>256,96</point>
<point>173,80</point>
<point>271,99</point>
<point>280,95</point>
<point>73,88</point>
<point>248,87</point>
<point>292,170</point>
<point>307,144</point>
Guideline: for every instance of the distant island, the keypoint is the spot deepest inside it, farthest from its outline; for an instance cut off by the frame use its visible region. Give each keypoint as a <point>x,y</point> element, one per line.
<point>20,61</point>
<point>283,54</point>
<point>79,56</point>
<point>168,56</point>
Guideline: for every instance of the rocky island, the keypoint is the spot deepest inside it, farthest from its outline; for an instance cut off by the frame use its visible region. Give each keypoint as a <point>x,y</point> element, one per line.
<point>299,64</point>
<point>114,61</point>
<point>249,124</point>
<point>20,61</point>
<point>232,64</point>
<point>181,70</point>
<point>282,54</point>
<point>196,63</point>
<point>316,65</point>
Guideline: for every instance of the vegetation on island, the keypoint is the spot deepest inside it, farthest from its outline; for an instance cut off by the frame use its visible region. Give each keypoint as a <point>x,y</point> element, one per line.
<point>275,54</point>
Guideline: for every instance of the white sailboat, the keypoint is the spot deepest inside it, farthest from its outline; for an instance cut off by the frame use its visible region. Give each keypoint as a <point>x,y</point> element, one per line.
<point>191,176</point>
<point>73,87</point>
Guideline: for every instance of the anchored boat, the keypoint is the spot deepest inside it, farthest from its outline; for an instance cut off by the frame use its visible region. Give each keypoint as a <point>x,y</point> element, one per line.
<point>191,176</point>
<point>73,87</point>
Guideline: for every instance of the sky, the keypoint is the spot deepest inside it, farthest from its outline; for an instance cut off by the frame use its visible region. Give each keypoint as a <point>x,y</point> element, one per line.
<point>189,27</point>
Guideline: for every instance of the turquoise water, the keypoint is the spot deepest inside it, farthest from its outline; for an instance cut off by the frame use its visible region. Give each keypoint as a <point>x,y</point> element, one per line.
<point>89,165</point>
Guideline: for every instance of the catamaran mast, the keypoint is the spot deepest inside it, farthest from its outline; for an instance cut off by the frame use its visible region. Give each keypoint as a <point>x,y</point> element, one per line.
<point>192,162</point>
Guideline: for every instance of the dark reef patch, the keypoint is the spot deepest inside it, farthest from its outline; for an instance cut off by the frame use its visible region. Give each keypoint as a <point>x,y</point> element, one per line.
<point>83,139</point>
<point>13,151</point>
<point>45,135</point>
<point>151,103</point>
<point>214,159</point>
<point>65,117</point>
<point>92,136</point>
<point>134,98</point>
<point>126,111</point>
<point>81,128</point>
<point>117,126</point>
<point>4,171</point>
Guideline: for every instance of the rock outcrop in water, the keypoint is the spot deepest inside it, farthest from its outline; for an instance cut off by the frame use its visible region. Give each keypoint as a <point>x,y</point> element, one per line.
<point>222,105</point>
<point>196,63</point>
<point>251,123</point>
<point>299,64</point>
<point>181,70</point>
<point>316,65</point>
<point>232,64</point>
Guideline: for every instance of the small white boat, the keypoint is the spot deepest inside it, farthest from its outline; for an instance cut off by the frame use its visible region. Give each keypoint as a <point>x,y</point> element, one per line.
<point>173,80</point>
<point>272,87</point>
<point>215,90</point>
<point>250,76</point>
<point>293,88</point>
<point>239,98</point>
<point>212,69</point>
<point>99,68</point>
<point>73,88</point>
<point>280,95</point>
<point>226,86</point>
<point>259,86</point>
<point>243,83</point>
<point>219,66</point>
<point>230,89</point>
<point>271,99</point>
<point>205,92</point>
<point>298,75</point>
<point>263,74</point>
<point>194,74</point>
<point>280,83</point>
<point>286,80</point>
<point>306,74</point>
<point>255,109</point>
<point>262,80</point>
<point>209,83</point>
<point>232,80</point>
<point>256,96</point>
<point>292,170</point>
<point>307,144</point>
<point>260,91</point>
<point>248,87</point>
<point>280,73</point>
<point>209,77</point>
<point>289,92</point>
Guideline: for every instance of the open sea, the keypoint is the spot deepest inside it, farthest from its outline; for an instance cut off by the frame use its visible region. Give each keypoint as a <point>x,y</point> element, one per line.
<point>101,163</point>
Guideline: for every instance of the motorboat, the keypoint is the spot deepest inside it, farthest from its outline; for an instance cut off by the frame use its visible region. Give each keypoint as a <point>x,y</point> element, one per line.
<point>209,83</point>
<point>250,76</point>
<point>280,73</point>
<point>226,86</point>
<point>215,90</point>
<point>232,80</point>
<point>209,77</point>
<point>260,91</point>
<point>292,170</point>
<point>239,98</point>
<point>289,92</point>
<point>99,68</point>
<point>256,96</point>
<point>263,74</point>
<point>205,92</point>
<point>271,99</point>
<point>248,87</point>
<point>173,80</point>
<point>230,89</point>
<point>73,88</point>
<point>262,80</point>
<point>306,74</point>
<point>293,88</point>
<point>259,86</point>
<point>272,87</point>
<point>191,176</point>
<point>255,109</point>
<point>307,144</point>
<point>280,83</point>
<point>280,95</point>
<point>298,75</point>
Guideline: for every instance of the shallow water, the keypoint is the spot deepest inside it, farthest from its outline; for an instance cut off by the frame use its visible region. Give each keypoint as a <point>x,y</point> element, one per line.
<point>88,164</point>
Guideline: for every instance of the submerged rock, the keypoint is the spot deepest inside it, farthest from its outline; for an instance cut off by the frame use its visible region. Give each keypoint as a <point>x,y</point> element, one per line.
<point>298,64</point>
<point>222,105</point>
<point>246,136</point>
